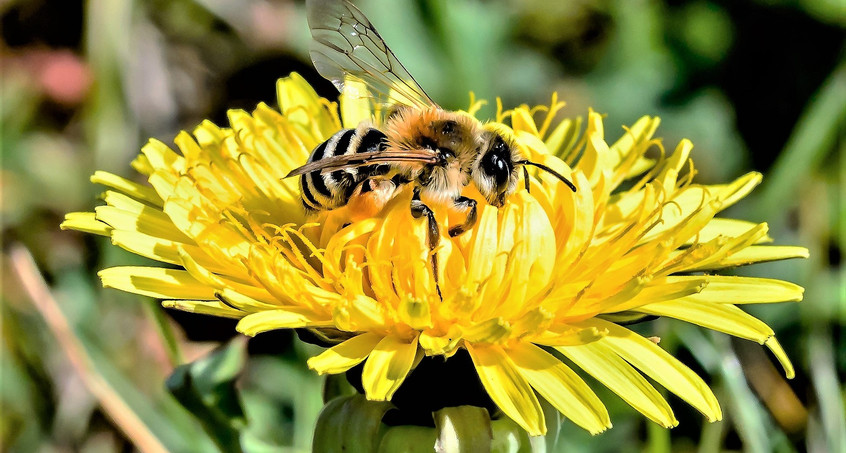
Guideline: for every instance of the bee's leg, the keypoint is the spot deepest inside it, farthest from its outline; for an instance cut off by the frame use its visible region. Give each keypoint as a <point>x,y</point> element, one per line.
<point>464,204</point>
<point>526,178</point>
<point>369,197</point>
<point>419,209</point>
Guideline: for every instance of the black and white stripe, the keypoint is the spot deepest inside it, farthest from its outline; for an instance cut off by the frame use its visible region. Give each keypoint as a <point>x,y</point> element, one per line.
<point>331,190</point>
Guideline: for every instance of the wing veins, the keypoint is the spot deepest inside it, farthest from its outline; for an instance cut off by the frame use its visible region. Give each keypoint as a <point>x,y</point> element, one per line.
<point>363,159</point>
<point>368,57</point>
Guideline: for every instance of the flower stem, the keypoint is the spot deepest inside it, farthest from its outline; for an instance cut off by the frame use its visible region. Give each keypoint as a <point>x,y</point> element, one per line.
<point>174,353</point>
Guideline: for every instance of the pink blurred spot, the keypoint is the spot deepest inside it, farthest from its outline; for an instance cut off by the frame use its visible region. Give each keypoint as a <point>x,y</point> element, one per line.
<point>64,77</point>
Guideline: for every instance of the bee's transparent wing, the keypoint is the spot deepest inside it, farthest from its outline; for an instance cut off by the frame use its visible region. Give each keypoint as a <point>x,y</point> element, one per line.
<point>346,46</point>
<point>327,164</point>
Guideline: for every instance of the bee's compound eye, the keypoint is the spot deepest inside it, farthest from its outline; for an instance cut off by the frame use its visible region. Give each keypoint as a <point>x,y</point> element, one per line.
<point>495,166</point>
<point>499,146</point>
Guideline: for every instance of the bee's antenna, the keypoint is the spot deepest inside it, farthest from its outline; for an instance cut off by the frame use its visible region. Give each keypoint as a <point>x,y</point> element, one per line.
<point>551,171</point>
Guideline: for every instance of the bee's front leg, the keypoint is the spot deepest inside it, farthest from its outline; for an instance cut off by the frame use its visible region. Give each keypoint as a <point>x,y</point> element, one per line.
<point>418,210</point>
<point>468,205</point>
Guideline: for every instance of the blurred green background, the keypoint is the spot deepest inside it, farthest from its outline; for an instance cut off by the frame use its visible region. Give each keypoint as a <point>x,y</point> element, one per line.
<point>755,84</point>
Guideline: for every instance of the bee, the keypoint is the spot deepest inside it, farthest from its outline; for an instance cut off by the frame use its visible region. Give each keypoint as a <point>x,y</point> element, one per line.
<point>438,152</point>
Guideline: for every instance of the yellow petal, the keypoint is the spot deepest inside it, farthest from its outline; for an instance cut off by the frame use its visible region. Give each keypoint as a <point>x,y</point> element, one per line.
<point>164,181</point>
<point>733,192</point>
<point>286,147</point>
<point>531,322</point>
<point>86,222</point>
<point>221,236</point>
<point>573,228</point>
<point>661,366</point>
<point>294,92</point>
<point>415,313</point>
<point>713,253</point>
<point>155,282</point>
<point>161,157</point>
<point>199,272</point>
<point>603,363</point>
<point>142,165</point>
<point>233,298</point>
<point>669,174</point>
<point>756,254</point>
<point>691,210</point>
<point>125,186</point>
<point>563,138</point>
<point>299,102</point>
<point>570,336</point>
<point>281,193</point>
<point>778,351</point>
<point>725,227</point>
<point>720,317</point>
<point>359,314</point>
<point>559,385</point>
<point>204,307</point>
<point>189,147</point>
<point>284,318</point>
<point>346,355</point>
<point>483,249</point>
<point>522,121</point>
<point>508,388</point>
<point>641,131</point>
<point>596,156</point>
<point>536,243</point>
<point>746,290</point>
<point>668,288</point>
<point>161,249</point>
<point>209,136</point>
<point>723,318</point>
<point>491,331</point>
<point>437,343</point>
<point>125,213</point>
<point>387,367</point>
<point>147,246</point>
<point>337,244</point>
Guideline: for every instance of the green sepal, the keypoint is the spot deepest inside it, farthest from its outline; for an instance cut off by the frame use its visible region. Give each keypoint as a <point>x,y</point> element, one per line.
<point>349,424</point>
<point>336,385</point>
<point>509,437</point>
<point>408,439</point>
<point>465,429</point>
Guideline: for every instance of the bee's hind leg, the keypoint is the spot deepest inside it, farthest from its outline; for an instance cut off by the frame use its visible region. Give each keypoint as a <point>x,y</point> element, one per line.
<point>418,210</point>
<point>468,205</point>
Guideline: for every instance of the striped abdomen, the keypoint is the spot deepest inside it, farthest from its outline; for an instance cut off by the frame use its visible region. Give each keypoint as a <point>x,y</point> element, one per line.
<point>331,190</point>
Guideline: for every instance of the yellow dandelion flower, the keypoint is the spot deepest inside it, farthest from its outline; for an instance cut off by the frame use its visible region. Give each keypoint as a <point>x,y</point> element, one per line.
<point>550,274</point>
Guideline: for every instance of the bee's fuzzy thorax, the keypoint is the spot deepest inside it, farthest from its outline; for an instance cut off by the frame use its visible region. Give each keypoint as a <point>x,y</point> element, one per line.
<point>411,128</point>
<point>453,136</point>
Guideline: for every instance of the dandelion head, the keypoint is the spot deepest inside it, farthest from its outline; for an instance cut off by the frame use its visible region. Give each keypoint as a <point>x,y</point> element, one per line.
<point>545,281</point>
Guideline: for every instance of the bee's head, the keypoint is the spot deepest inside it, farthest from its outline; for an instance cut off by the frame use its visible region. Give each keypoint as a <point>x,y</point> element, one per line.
<point>495,171</point>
